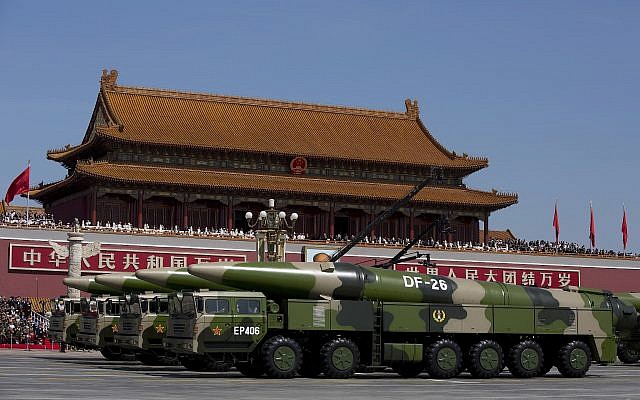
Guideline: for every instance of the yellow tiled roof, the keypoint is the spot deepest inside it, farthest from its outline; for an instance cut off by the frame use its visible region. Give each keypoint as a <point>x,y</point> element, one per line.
<point>167,117</point>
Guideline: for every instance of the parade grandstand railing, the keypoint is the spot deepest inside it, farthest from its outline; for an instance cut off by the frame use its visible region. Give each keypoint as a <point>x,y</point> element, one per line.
<point>521,246</point>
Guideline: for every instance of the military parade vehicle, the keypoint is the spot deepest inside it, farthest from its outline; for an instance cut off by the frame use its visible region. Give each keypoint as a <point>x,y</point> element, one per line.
<point>66,312</point>
<point>142,324</point>
<point>98,324</point>
<point>63,324</point>
<point>336,318</point>
<point>142,327</point>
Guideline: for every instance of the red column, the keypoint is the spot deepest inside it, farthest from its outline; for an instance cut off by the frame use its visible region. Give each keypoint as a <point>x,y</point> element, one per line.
<point>185,214</point>
<point>229,215</point>
<point>412,232</point>
<point>332,221</point>
<point>486,227</point>
<point>140,204</point>
<point>94,207</point>
<point>371,218</point>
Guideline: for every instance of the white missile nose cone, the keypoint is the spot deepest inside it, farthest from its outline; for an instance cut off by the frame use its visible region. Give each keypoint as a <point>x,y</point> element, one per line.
<point>84,282</point>
<point>158,277</point>
<point>210,271</point>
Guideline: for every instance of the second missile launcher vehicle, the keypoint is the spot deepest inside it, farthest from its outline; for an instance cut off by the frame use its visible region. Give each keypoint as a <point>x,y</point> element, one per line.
<point>142,327</point>
<point>334,318</point>
<point>98,324</point>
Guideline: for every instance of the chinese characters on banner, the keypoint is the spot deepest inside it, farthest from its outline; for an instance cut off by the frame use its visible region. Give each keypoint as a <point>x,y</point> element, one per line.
<point>547,278</point>
<point>41,257</point>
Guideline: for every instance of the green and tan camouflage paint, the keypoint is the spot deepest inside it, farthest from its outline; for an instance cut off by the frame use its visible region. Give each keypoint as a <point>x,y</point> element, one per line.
<point>440,304</point>
<point>178,279</point>
<point>128,283</point>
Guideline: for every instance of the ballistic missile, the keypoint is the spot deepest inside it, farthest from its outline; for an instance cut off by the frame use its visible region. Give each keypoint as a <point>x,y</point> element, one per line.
<point>178,278</point>
<point>344,281</point>
<point>127,282</point>
<point>88,284</point>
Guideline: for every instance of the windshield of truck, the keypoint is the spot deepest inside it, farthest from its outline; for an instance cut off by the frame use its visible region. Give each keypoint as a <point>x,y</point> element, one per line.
<point>132,307</point>
<point>112,308</point>
<point>84,305</point>
<point>248,306</point>
<point>57,307</point>
<point>184,306</point>
<point>163,306</point>
<point>159,306</point>
<point>72,307</point>
<point>216,306</point>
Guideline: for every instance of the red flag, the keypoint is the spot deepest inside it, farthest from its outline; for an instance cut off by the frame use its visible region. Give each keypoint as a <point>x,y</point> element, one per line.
<point>556,222</point>
<point>592,228</point>
<point>624,229</point>
<point>18,186</point>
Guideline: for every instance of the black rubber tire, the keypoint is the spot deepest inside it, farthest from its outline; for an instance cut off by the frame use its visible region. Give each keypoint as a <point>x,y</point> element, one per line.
<point>574,359</point>
<point>408,369</point>
<point>627,355</point>
<point>111,353</point>
<point>443,359</point>
<point>339,358</point>
<point>281,357</point>
<point>525,359</point>
<point>485,360</point>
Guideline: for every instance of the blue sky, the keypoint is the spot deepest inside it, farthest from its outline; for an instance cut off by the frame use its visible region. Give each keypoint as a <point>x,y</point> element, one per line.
<point>547,90</point>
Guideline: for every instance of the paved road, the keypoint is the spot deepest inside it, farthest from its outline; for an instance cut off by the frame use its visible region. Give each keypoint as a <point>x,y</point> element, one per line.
<point>84,375</point>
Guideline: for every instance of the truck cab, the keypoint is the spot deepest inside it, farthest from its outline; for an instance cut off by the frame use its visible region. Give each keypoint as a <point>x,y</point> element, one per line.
<point>98,323</point>
<point>63,325</point>
<point>142,326</point>
<point>209,328</point>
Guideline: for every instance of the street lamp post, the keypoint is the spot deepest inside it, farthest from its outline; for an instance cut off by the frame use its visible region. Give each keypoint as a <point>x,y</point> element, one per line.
<point>271,232</point>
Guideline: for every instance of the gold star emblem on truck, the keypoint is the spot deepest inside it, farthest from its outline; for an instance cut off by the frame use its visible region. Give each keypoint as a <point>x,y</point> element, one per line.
<point>216,331</point>
<point>159,328</point>
<point>114,328</point>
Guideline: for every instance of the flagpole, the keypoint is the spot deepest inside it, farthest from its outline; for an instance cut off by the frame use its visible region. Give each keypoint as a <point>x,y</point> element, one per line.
<point>28,184</point>
<point>590,223</point>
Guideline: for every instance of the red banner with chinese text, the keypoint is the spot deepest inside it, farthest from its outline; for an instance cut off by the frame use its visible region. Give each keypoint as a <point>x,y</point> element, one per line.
<point>112,258</point>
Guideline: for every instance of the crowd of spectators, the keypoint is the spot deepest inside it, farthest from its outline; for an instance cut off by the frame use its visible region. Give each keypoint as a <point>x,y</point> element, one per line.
<point>17,324</point>
<point>37,218</point>
<point>43,220</point>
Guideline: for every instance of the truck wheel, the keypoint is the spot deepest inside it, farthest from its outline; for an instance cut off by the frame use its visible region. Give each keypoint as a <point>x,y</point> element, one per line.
<point>574,359</point>
<point>111,353</point>
<point>408,369</point>
<point>486,359</point>
<point>444,359</point>
<point>281,357</point>
<point>339,358</point>
<point>525,359</point>
<point>628,355</point>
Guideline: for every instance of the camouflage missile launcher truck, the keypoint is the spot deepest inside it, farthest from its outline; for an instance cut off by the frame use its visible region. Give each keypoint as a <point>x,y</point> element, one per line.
<point>97,325</point>
<point>337,318</point>
<point>628,348</point>
<point>180,279</point>
<point>142,327</point>
<point>63,325</point>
